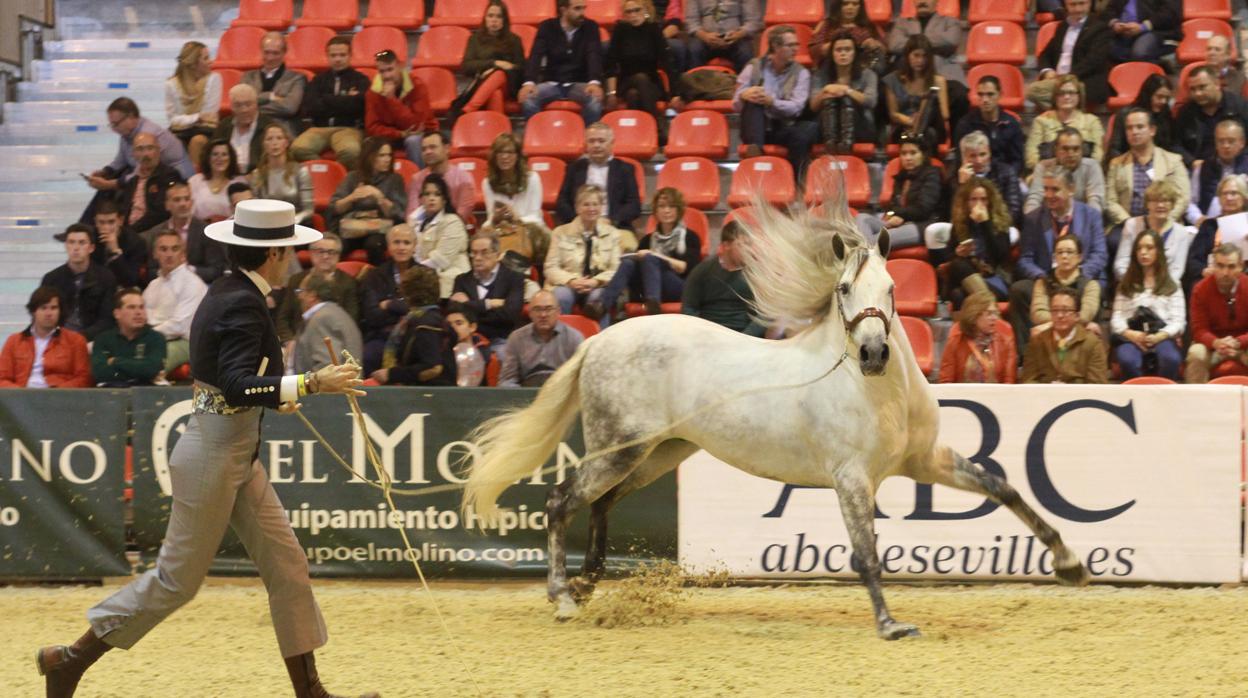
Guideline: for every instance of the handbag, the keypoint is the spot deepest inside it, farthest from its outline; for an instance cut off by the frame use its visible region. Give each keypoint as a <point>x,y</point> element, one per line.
<point>358,224</point>
<point>1145,320</point>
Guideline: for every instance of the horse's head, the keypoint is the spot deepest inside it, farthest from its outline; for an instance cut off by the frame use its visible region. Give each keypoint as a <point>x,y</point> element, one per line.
<point>864,297</point>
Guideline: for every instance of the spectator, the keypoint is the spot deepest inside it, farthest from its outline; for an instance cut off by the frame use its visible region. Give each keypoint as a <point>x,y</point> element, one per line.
<point>1154,95</point>
<point>513,205</point>
<point>944,36</point>
<point>1141,28</point>
<point>656,272</point>
<point>334,101</point>
<point>491,291</point>
<point>494,60</point>
<point>322,317</point>
<point>193,98</point>
<point>418,351</point>
<point>206,257</point>
<point>1079,47</point>
<point>717,290</point>
<point>844,95</point>
<point>172,298</point>
<point>278,176</point>
<point>584,255</point>
<point>381,303</point>
<point>1207,107</point>
<point>1229,159</point>
<point>635,57</point>
<point>436,156</point>
<point>397,108</point>
<point>278,89</point>
<point>1084,172</point>
<point>674,31</point>
<point>1132,172</point>
<point>369,200</point>
<point>909,87</point>
<point>1066,352</point>
<point>916,198</point>
<point>1067,112</point>
<point>722,29</point>
<point>1160,200</point>
<point>343,288</point>
<point>244,128</point>
<point>1233,198</point>
<point>117,247</point>
<point>238,191</point>
<point>45,355</point>
<point>771,95</point>
<point>849,18</point>
<point>470,367</point>
<point>442,239</point>
<point>1229,71</point>
<point>142,196</point>
<point>565,62</point>
<point>1148,313</point>
<point>978,251</point>
<point>599,167</point>
<point>1005,133</point>
<point>85,289</point>
<point>1219,333</point>
<point>977,352</point>
<point>132,353</point>
<point>538,349</point>
<point>218,169</point>
<point>1066,273</point>
<point>978,161</point>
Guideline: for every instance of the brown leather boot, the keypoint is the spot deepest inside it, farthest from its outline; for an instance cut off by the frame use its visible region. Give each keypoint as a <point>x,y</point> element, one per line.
<point>302,670</point>
<point>64,666</point>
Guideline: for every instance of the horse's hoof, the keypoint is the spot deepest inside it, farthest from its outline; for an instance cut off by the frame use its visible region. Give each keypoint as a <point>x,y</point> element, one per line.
<point>1074,575</point>
<point>581,589</point>
<point>895,631</point>
<point>565,609</point>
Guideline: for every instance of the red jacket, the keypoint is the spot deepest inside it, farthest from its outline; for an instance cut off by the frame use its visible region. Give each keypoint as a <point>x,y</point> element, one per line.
<point>387,117</point>
<point>1211,316</point>
<point>957,348</point>
<point>65,361</point>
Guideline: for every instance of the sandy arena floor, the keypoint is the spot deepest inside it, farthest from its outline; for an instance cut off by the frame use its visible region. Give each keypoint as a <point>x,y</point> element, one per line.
<point>1002,640</point>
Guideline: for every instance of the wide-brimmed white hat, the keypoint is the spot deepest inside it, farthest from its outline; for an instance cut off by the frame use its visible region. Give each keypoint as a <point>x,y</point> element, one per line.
<point>262,223</point>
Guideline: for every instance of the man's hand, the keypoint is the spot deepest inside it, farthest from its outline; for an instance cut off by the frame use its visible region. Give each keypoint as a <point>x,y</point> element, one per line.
<point>492,303</point>
<point>893,221</point>
<point>504,65</point>
<point>525,93</point>
<point>459,297</point>
<point>733,37</point>
<point>102,183</point>
<point>288,407</point>
<point>381,375</point>
<point>710,39</point>
<point>343,379</point>
<point>594,91</point>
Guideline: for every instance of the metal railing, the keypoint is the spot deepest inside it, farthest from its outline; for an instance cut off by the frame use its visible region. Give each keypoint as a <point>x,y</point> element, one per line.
<point>22,27</point>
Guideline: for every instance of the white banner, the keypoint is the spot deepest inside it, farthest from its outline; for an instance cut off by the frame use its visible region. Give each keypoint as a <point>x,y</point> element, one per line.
<point>1142,482</point>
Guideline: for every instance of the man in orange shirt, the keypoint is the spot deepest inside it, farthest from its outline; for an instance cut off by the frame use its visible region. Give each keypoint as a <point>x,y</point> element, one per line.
<point>45,355</point>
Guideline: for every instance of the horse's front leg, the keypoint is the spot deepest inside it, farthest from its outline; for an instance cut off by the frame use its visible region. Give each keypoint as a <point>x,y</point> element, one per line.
<point>857,497</point>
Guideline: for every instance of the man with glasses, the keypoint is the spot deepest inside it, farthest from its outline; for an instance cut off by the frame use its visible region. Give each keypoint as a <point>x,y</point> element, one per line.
<point>397,107</point>
<point>538,349</point>
<point>722,29</point>
<point>1005,133</point>
<point>142,194</point>
<point>124,120</point>
<point>326,253</point>
<point>1086,172</point>
<point>279,90</point>
<point>771,96</point>
<point>1079,47</point>
<point>1229,159</point>
<point>1218,316</point>
<point>565,62</point>
<point>1066,352</point>
<point>494,292</point>
<point>334,101</point>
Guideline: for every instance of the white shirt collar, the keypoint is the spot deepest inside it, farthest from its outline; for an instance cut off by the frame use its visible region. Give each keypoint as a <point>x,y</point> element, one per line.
<point>265,288</point>
<point>312,311</point>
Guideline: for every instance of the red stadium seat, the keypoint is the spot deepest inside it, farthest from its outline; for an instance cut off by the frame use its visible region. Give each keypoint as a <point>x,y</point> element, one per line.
<point>723,106</point>
<point>1012,90</point>
<point>1230,380</point>
<point>997,11</point>
<point>1196,32</point>
<point>229,78</point>
<point>555,133</point>
<point>746,215</point>
<point>305,48</point>
<point>921,342</point>
<point>527,34</point>
<point>914,287</point>
<point>406,169</point>
<point>266,14</point>
<point>698,132</point>
<point>829,174</point>
<point>354,269</point>
<point>697,178</point>
<point>326,174</point>
<point>530,12</point>
<point>641,176</point>
<point>1126,78</point>
<point>881,11</point>
<point>949,8</point>
<point>996,42</point>
<point>475,131</point>
<point>442,47</point>
<point>400,14</point>
<point>770,176</point>
<point>803,37</point>
<point>239,48</point>
<point>458,13</point>
<point>370,41</point>
<point>1207,9</point>
<point>479,170</point>
<point>336,14</point>
<point>492,369</point>
<point>636,133</point>
<point>551,170</point>
<point>793,12</point>
<point>1044,35</point>
<point>605,12</point>
<point>440,84</point>
<point>581,324</point>
<point>1149,380</point>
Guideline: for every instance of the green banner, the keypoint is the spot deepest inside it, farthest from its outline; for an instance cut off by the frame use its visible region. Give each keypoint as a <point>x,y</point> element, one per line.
<point>344,524</point>
<point>62,463</point>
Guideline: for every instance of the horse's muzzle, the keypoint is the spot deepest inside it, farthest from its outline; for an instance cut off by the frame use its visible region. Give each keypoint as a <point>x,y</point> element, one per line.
<point>873,358</point>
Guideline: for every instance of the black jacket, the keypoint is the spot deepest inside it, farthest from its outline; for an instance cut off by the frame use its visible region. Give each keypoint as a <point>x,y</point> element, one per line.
<point>1193,128</point>
<point>231,335</point>
<point>325,107</point>
<point>128,265</point>
<point>508,285</point>
<point>920,204</point>
<point>623,199</point>
<point>93,300</point>
<point>378,286</point>
<point>157,185</point>
<point>1090,58</point>
<point>553,59</point>
<point>425,344</point>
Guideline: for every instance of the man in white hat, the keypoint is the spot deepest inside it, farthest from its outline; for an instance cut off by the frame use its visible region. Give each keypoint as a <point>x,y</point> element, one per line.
<point>218,481</point>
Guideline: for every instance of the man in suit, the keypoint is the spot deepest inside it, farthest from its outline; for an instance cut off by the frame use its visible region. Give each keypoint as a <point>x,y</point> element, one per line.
<point>207,258</point>
<point>565,62</point>
<point>142,195</point>
<point>494,292</point>
<point>322,317</point>
<point>1141,28</point>
<point>617,178</point>
<point>244,127</point>
<point>1208,105</point>
<point>1079,47</point>
<point>279,90</point>
<point>1230,71</point>
<point>217,479</point>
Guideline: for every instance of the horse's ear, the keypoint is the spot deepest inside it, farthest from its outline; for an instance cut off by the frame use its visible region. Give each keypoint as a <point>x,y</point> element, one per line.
<point>838,247</point>
<point>883,243</point>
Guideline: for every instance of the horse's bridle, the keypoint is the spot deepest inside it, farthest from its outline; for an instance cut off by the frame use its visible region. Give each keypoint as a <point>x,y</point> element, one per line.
<point>865,313</point>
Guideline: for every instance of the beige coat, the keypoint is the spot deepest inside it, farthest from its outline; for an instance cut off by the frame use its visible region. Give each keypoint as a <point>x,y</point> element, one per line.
<point>1118,185</point>
<point>1045,127</point>
<point>444,246</point>
<point>566,257</point>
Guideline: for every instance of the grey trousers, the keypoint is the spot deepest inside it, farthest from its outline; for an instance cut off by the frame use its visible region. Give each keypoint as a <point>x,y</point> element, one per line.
<point>217,482</point>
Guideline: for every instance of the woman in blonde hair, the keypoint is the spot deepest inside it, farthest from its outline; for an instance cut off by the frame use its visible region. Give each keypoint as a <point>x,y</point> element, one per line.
<point>278,176</point>
<point>979,350</point>
<point>193,98</point>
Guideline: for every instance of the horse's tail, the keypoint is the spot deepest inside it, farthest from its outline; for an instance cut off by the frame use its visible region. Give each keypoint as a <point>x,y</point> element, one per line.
<point>517,442</point>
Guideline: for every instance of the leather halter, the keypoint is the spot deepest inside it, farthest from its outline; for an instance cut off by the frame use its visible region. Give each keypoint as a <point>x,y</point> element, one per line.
<point>865,312</point>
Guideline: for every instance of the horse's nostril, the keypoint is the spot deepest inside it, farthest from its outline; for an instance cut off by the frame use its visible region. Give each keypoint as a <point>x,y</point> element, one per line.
<point>884,353</point>
<point>863,354</point>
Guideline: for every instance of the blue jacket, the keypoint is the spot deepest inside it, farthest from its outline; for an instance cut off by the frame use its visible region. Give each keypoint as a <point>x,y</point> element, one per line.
<point>1038,238</point>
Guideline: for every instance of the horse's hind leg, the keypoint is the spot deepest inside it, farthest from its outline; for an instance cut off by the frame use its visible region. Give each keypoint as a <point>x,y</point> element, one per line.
<point>949,468</point>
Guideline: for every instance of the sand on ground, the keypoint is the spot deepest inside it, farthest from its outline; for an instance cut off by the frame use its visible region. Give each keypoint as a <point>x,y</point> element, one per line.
<point>986,640</point>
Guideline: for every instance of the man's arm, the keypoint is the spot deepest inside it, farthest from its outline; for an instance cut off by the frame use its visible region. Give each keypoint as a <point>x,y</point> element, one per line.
<point>628,208</point>
<point>146,368</point>
<point>287,96</point>
<point>509,373</point>
<point>691,298</point>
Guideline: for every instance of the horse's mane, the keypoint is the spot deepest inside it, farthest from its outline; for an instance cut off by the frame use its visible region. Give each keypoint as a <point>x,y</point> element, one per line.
<point>790,263</point>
